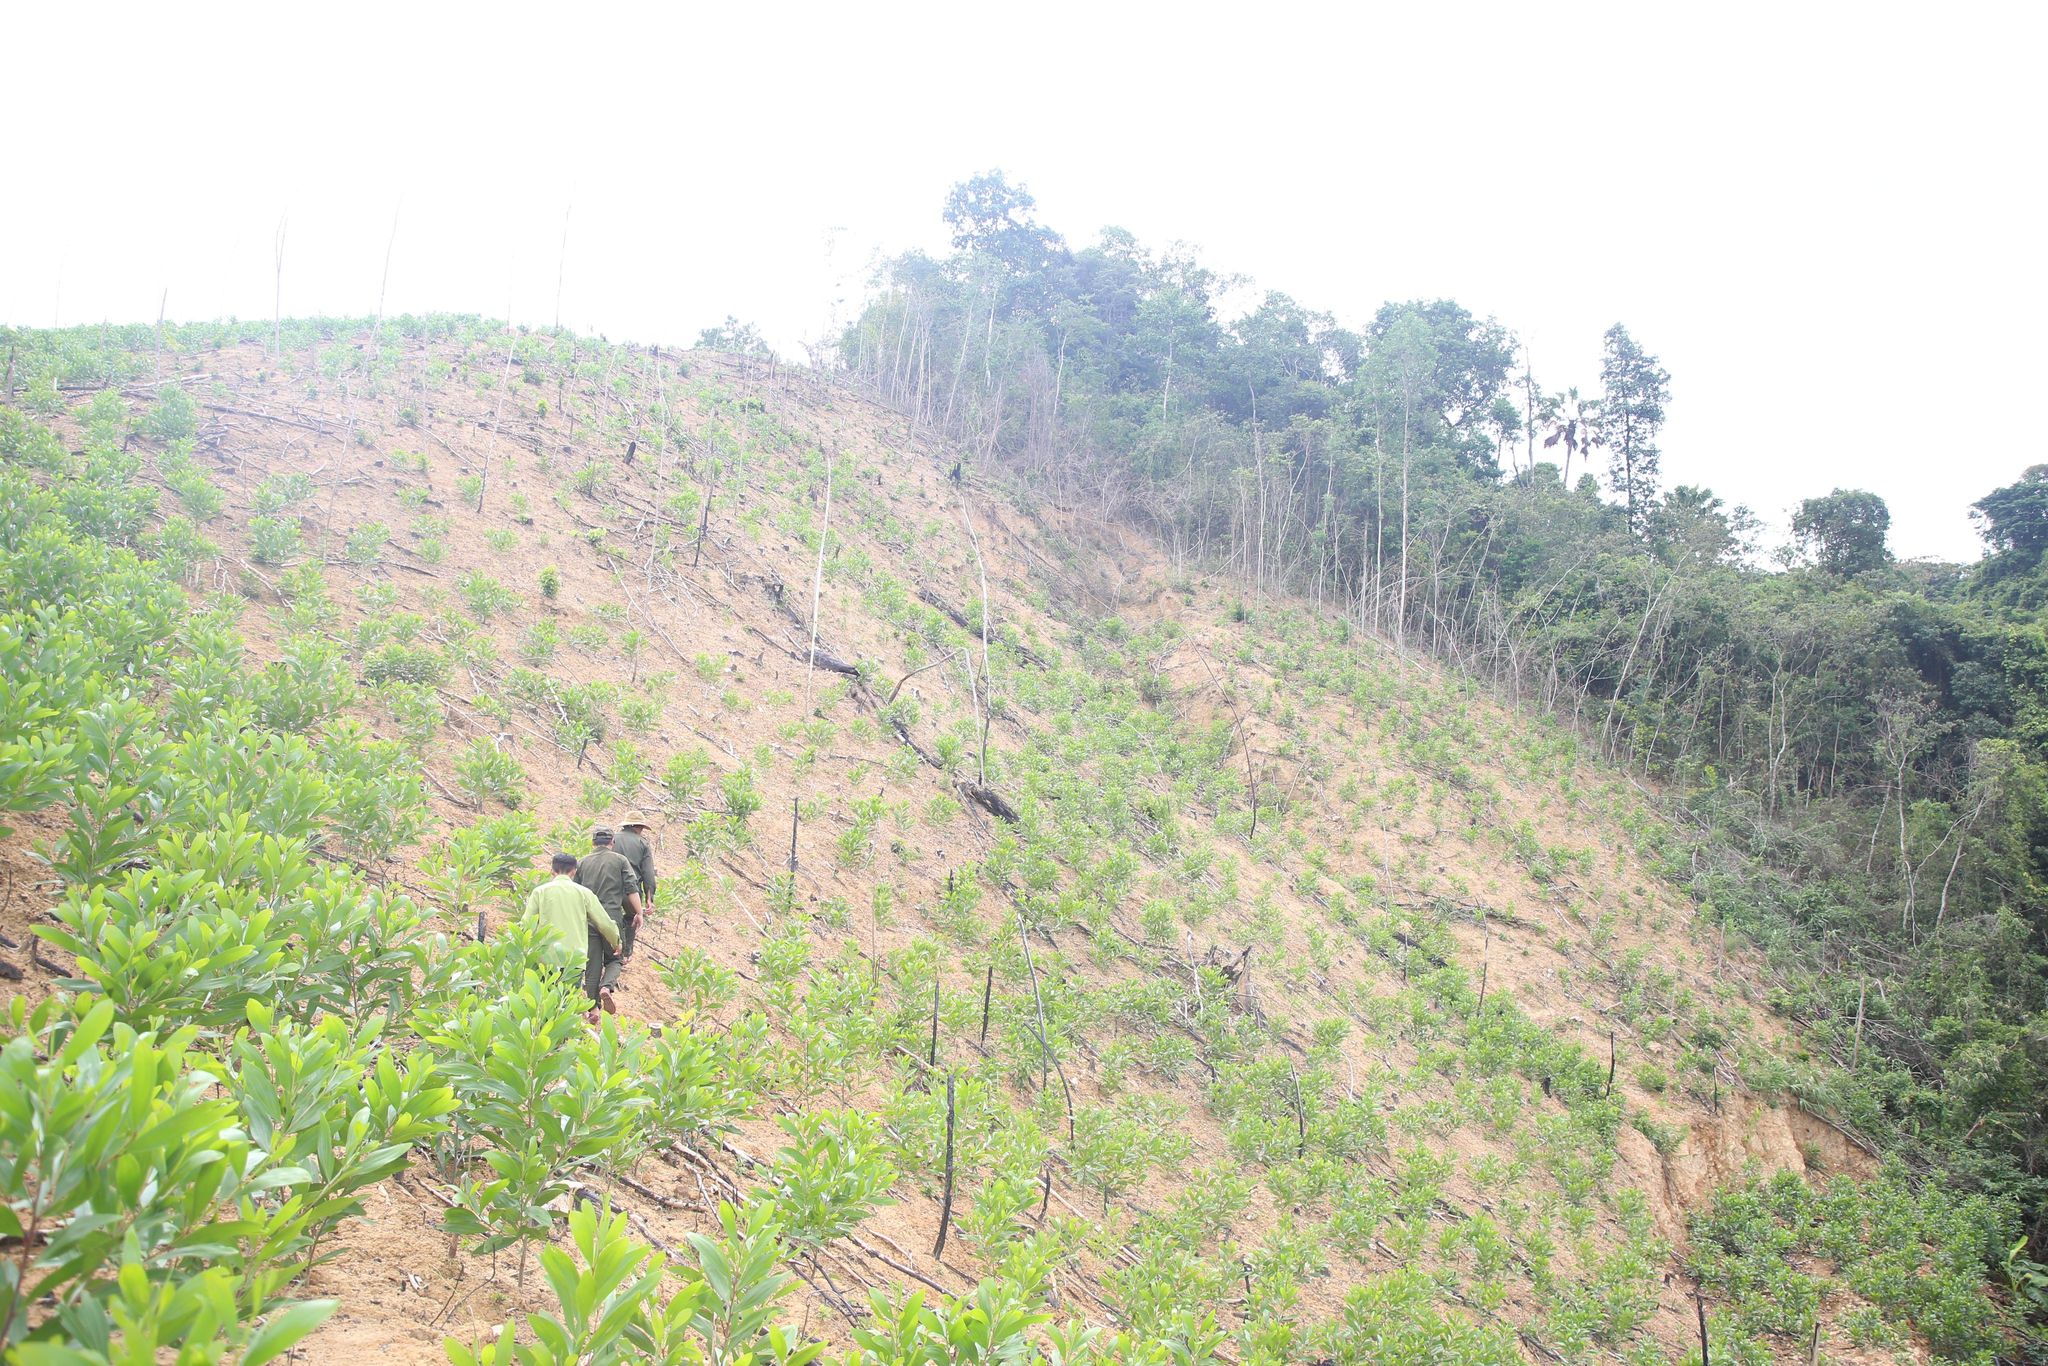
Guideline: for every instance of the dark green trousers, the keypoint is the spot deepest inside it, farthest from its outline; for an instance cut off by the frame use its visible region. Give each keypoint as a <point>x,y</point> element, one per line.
<point>601,967</point>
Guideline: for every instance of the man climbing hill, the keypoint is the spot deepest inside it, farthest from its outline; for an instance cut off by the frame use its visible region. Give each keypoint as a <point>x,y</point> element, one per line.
<point>632,845</point>
<point>612,880</point>
<point>576,924</point>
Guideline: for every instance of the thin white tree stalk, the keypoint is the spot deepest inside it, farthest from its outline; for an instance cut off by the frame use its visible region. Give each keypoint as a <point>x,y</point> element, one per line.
<point>818,584</point>
<point>981,754</point>
<point>562,267</point>
<point>504,378</point>
<point>277,294</point>
<point>384,281</point>
<point>376,332</point>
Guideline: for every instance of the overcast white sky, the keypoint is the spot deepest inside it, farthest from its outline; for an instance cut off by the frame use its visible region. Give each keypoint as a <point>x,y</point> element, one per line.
<point>1826,220</point>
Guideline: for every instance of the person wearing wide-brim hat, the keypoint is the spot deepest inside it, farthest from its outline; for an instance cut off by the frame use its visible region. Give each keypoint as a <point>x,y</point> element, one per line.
<point>633,845</point>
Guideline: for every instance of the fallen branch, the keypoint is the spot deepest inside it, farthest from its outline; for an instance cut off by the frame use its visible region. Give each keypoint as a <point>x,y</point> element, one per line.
<point>990,800</point>
<point>886,1260</point>
<point>944,659</point>
<point>269,417</point>
<point>648,1193</point>
<point>647,1234</point>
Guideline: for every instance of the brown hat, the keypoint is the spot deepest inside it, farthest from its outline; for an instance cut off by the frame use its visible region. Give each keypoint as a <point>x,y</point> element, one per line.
<point>631,819</point>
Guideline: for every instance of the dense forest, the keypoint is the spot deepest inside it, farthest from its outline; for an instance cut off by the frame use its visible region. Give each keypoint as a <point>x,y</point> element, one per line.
<point>1856,743</point>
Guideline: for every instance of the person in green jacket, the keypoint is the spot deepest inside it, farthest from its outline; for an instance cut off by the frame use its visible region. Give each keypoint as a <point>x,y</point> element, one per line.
<point>576,922</point>
<point>617,887</point>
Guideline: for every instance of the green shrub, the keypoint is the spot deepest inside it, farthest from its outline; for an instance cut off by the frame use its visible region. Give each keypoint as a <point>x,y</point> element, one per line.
<point>484,596</point>
<point>538,1090</point>
<point>167,1265</point>
<point>281,491</point>
<point>274,540</point>
<point>742,798</point>
<point>687,771</point>
<point>539,641</point>
<point>416,709</point>
<point>309,683</point>
<point>366,543</point>
<point>173,417</point>
<point>179,546</point>
<point>397,663</point>
<point>484,773</point>
<point>698,982</point>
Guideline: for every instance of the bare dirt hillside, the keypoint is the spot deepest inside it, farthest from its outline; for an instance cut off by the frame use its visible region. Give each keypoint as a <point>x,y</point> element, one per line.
<point>1323,942</point>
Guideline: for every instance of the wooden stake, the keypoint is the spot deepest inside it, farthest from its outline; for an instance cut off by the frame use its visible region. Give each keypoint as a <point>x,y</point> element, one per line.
<point>946,1205</point>
<point>159,357</point>
<point>792,835</point>
<point>1485,962</point>
<point>1610,1062</point>
<point>1300,1115</point>
<point>988,985</point>
<point>1700,1307</point>
<point>1856,1055</point>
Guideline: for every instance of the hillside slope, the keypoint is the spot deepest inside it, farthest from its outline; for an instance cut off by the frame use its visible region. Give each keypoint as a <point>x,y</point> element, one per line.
<point>1272,976</point>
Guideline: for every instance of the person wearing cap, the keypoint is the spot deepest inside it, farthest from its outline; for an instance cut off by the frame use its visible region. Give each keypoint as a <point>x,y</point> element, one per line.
<point>612,880</point>
<point>576,923</point>
<point>631,844</point>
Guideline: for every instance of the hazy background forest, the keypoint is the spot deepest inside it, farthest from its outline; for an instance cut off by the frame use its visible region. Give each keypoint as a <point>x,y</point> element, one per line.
<point>1864,738</point>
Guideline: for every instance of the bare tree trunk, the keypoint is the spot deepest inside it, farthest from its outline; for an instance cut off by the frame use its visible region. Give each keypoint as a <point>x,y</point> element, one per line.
<point>562,267</point>
<point>981,759</point>
<point>818,582</point>
<point>1401,606</point>
<point>277,295</point>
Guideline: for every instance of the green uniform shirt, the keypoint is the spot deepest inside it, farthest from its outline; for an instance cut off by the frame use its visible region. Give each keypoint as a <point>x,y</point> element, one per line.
<point>633,849</point>
<point>569,912</point>
<point>608,875</point>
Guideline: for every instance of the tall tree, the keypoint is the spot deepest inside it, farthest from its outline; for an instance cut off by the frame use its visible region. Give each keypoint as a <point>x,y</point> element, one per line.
<point>2015,518</point>
<point>1844,532</point>
<point>992,218</point>
<point>1469,364</point>
<point>2014,521</point>
<point>1634,390</point>
<point>1695,528</point>
<point>1397,374</point>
